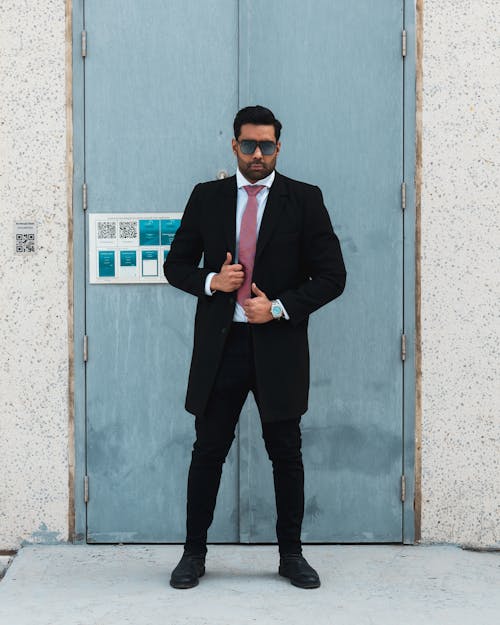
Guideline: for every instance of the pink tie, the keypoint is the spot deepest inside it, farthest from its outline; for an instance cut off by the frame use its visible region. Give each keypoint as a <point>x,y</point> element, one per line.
<point>248,241</point>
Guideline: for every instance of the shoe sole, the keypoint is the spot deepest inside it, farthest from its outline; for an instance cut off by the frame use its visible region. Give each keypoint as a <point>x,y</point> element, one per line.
<point>186,586</point>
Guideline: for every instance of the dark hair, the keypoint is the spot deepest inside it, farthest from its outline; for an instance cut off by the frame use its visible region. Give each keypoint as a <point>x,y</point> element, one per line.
<point>256,115</point>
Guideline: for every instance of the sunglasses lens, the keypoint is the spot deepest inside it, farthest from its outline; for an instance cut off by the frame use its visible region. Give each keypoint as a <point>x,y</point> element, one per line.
<point>248,146</point>
<point>267,147</point>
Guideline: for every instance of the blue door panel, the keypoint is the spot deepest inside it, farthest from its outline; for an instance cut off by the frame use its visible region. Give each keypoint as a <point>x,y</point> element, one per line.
<point>333,73</point>
<point>160,95</point>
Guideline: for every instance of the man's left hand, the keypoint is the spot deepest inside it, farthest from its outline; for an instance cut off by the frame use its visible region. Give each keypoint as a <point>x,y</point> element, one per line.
<point>258,309</point>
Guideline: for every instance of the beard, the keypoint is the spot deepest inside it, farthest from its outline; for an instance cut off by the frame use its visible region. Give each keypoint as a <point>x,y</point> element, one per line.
<point>256,170</point>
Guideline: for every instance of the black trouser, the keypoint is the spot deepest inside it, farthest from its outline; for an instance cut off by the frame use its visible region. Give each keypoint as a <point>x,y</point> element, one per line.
<point>214,436</point>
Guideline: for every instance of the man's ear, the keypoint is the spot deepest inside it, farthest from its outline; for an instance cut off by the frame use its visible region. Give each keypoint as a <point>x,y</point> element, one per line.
<point>278,147</point>
<point>234,145</point>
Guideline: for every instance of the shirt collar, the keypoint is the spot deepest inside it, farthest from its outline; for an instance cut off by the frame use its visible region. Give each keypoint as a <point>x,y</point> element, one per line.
<point>241,181</point>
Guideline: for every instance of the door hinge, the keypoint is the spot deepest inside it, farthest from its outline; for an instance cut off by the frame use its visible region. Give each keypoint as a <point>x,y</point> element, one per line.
<point>86,488</point>
<point>403,347</point>
<point>84,43</point>
<point>84,196</point>
<point>85,348</point>
<point>403,43</point>
<point>403,487</point>
<point>403,195</point>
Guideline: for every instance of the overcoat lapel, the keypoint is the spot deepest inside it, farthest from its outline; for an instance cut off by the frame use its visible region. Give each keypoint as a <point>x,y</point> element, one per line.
<point>228,213</point>
<point>272,213</point>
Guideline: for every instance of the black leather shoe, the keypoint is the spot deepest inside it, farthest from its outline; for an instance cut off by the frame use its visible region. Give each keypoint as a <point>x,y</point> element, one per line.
<point>298,571</point>
<point>188,571</point>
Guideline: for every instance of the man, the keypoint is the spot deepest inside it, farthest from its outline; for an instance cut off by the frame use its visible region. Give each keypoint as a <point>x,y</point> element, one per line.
<point>271,258</point>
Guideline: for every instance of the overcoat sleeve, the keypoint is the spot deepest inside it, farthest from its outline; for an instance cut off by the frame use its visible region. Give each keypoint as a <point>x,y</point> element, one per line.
<point>181,268</point>
<point>322,259</point>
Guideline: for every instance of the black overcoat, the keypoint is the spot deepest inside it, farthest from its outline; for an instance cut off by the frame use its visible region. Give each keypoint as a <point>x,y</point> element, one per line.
<point>298,260</point>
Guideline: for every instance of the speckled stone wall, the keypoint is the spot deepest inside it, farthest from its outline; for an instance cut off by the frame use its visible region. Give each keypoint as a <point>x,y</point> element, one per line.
<point>34,292</point>
<point>460,285</point>
<point>460,395</point>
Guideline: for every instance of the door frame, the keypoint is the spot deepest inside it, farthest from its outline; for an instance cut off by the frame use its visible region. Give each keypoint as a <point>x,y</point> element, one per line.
<point>411,168</point>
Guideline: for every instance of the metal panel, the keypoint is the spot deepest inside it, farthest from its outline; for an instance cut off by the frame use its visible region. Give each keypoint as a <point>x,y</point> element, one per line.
<point>410,228</point>
<point>333,74</point>
<point>160,95</point>
<point>78,276</point>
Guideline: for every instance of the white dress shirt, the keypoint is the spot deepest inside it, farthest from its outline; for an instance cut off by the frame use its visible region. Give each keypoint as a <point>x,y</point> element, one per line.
<point>241,202</point>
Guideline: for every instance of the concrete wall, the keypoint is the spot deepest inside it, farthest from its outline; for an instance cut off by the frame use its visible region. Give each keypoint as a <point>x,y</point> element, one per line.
<point>34,291</point>
<point>460,436</point>
<point>460,294</point>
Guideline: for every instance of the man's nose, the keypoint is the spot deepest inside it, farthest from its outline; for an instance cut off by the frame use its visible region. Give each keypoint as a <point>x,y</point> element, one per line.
<point>257,152</point>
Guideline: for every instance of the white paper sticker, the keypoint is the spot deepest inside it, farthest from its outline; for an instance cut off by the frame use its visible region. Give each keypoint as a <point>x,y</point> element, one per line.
<point>25,237</point>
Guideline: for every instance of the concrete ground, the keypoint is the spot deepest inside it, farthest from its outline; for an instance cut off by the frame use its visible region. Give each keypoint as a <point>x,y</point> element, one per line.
<point>361,585</point>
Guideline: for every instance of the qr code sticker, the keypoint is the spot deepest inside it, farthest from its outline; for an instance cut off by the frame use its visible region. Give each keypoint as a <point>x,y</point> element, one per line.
<point>106,230</point>
<point>25,243</point>
<point>128,230</point>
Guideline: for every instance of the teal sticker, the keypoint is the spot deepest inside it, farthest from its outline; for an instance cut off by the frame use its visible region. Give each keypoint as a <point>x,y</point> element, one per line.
<point>149,232</point>
<point>168,229</point>
<point>106,264</point>
<point>128,258</point>
<point>149,263</point>
<point>149,254</point>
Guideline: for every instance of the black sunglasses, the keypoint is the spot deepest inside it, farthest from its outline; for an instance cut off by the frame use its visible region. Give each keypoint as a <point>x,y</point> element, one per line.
<point>248,146</point>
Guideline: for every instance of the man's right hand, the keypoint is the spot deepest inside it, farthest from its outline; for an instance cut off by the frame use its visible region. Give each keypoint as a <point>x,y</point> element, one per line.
<point>230,277</point>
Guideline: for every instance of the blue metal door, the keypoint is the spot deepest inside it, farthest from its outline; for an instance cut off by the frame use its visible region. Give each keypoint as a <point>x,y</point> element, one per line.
<point>162,83</point>
<point>333,72</point>
<point>160,95</point>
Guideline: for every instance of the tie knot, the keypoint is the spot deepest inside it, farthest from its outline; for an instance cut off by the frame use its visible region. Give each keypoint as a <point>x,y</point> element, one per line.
<point>253,189</point>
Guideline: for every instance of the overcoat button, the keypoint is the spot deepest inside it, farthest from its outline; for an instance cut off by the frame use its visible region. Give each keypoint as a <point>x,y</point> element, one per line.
<point>223,331</point>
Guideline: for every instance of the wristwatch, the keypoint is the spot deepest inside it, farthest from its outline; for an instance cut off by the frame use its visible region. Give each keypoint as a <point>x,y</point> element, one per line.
<point>276,309</point>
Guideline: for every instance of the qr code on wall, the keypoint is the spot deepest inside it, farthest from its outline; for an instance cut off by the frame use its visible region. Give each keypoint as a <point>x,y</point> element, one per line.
<point>128,230</point>
<point>24,237</point>
<point>25,243</point>
<point>106,230</point>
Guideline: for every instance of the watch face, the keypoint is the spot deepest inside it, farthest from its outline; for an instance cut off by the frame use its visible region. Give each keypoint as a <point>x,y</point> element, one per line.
<point>276,310</point>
